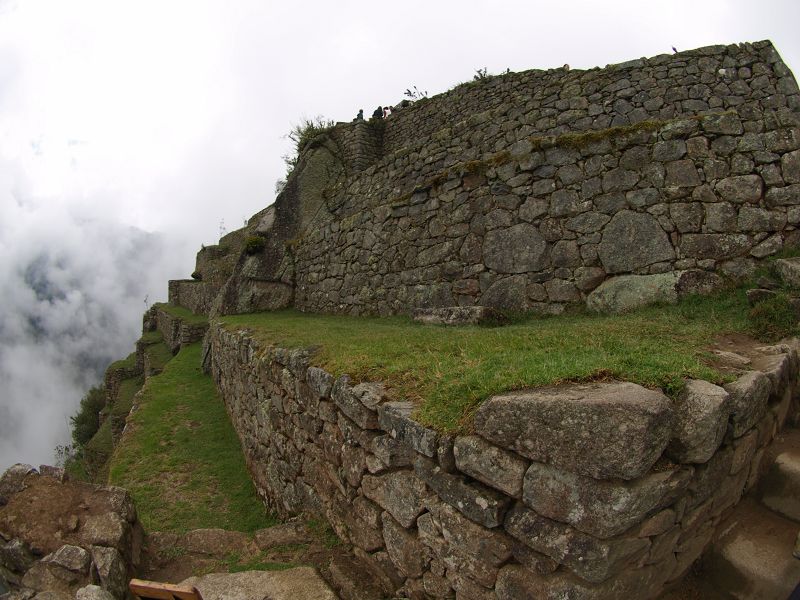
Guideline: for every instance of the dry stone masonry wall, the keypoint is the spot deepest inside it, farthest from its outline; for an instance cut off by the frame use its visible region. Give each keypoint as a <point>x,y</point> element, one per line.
<point>528,191</point>
<point>605,490</point>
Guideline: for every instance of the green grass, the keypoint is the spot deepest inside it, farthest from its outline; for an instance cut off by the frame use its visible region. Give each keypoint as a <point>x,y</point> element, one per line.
<point>183,313</point>
<point>182,461</point>
<point>151,337</point>
<point>448,371</point>
<point>102,443</point>
<point>126,363</point>
<point>236,563</point>
<point>159,355</point>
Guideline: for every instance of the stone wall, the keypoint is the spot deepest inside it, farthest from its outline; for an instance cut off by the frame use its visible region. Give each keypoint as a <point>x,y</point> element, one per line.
<point>553,182</point>
<point>604,490</point>
<point>177,332</point>
<point>527,191</point>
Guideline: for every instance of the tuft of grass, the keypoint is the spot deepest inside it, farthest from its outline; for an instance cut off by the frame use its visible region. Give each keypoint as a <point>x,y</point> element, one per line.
<point>182,313</point>
<point>127,363</point>
<point>159,355</point>
<point>774,318</point>
<point>323,531</point>
<point>449,371</point>
<point>254,244</point>
<point>181,459</point>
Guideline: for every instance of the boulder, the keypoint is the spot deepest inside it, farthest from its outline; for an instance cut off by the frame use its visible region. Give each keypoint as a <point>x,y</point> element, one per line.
<point>701,418</point>
<point>93,592</point>
<point>789,270</point>
<point>111,570</point>
<point>395,418</point>
<point>602,430</point>
<point>459,315</point>
<point>633,240</point>
<point>628,292</point>
<point>13,481</point>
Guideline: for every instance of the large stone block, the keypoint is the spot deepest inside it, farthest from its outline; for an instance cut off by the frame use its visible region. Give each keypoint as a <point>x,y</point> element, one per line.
<point>408,554</point>
<point>600,508</point>
<point>789,270</point>
<point>475,501</point>
<point>701,418</point>
<point>463,545</point>
<point>628,292</point>
<point>395,418</point>
<point>498,468</point>
<point>741,188</point>
<point>348,399</point>
<point>748,400</point>
<point>592,559</point>
<point>517,249</point>
<point>401,493</point>
<point>633,240</point>
<point>603,430</point>
<point>717,246</point>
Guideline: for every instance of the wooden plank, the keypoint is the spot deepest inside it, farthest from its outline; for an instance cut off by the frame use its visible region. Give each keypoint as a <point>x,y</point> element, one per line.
<point>152,590</point>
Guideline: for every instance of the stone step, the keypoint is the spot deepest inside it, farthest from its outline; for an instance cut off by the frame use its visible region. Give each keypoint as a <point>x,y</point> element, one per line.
<point>779,488</point>
<point>753,556</point>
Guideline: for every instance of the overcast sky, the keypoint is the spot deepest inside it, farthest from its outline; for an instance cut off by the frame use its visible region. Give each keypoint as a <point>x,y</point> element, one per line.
<point>132,132</point>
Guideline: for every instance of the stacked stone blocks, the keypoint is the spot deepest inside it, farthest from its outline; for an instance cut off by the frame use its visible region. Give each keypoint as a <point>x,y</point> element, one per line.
<point>603,490</point>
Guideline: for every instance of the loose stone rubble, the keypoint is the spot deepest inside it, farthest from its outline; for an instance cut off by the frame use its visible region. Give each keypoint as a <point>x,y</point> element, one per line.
<point>64,539</point>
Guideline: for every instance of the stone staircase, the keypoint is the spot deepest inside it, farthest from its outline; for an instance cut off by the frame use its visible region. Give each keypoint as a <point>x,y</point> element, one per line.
<point>753,555</point>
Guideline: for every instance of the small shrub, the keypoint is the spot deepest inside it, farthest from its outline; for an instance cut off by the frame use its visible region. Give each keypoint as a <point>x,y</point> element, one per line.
<point>774,318</point>
<point>197,275</point>
<point>86,421</point>
<point>254,244</point>
<point>301,135</point>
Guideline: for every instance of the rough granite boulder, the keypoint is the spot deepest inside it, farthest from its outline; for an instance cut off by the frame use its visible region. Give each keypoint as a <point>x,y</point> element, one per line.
<point>602,430</point>
<point>459,315</point>
<point>628,292</point>
<point>748,401</point>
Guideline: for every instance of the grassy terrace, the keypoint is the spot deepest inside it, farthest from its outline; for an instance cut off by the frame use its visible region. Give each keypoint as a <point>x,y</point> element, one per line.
<point>448,371</point>
<point>181,460</point>
<point>183,313</point>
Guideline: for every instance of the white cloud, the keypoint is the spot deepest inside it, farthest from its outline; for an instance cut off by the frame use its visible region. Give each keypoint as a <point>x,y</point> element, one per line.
<point>169,117</point>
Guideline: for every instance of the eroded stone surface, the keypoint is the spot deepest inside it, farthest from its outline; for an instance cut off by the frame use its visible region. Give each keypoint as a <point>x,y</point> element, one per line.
<point>701,418</point>
<point>600,508</point>
<point>602,430</point>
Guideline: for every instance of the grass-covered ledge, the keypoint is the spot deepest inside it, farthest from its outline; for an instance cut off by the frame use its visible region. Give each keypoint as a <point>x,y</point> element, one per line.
<point>448,371</point>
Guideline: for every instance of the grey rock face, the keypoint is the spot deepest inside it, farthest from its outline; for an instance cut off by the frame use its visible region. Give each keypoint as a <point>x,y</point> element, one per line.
<point>347,399</point>
<point>717,246</point>
<point>404,548</point>
<point>701,418</point>
<point>111,570</point>
<point>600,508</point>
<point>740,189</point>
<point>13,480</point>
<point>748,400</point>
<point>299,583</point>
<point>518,249</point>
<point>593,559</point>
<point>602,430</point>
<point>401,493</point>
<point>93,592</point>
<point>789,270</point>
<point>633,240</point>
<point>395,417</point>
<point>475,501</point>
<point>498,468</point>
